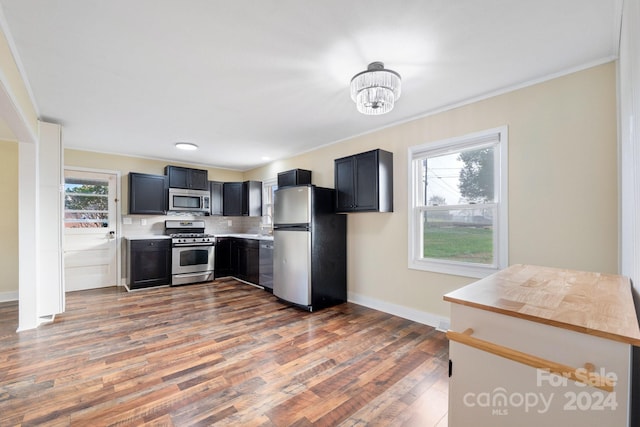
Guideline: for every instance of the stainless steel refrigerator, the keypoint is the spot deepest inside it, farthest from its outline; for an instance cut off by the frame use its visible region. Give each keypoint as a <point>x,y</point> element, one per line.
<point>310,247</point>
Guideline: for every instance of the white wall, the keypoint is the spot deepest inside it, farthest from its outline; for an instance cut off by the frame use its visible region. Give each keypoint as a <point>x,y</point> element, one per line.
<point>629,114</point>
<point>629,97</point>
<point>563,206</point>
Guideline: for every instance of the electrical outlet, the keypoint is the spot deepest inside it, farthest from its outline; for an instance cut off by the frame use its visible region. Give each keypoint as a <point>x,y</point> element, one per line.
<point>143,221</point>
<point>230,223</point>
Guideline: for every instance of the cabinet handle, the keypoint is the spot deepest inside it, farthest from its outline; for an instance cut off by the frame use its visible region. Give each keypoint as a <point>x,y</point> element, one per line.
<point>584,375</point>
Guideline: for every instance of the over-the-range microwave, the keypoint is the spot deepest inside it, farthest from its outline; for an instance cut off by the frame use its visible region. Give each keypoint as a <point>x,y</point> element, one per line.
<point>183,200</point>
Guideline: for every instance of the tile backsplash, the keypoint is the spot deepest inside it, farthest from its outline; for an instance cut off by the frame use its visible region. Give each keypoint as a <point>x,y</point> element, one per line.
<point>138,225</point>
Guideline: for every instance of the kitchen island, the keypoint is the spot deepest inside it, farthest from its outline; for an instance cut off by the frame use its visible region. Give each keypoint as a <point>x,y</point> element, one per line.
<point>534,345</point>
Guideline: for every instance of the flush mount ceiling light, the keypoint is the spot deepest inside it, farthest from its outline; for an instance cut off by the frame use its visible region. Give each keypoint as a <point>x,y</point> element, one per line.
<point>375,90</point>
<point>186,146</point>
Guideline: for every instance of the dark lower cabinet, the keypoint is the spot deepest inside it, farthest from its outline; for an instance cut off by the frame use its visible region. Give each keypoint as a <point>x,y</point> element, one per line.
<point>266,265</point>
<point>149,263</point>
<point>239,258</point>
<point>223,257</point>
<point>248,260</point>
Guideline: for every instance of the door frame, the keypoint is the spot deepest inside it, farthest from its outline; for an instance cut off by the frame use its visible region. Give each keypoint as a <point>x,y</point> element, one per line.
<point>118,217</point>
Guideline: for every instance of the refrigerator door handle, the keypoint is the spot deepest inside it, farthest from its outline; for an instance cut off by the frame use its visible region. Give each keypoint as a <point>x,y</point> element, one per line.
<point>292,227</point>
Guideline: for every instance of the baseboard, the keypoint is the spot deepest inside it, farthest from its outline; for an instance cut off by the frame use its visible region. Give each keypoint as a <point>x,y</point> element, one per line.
<point>8,296</point>
<point>439,322</point>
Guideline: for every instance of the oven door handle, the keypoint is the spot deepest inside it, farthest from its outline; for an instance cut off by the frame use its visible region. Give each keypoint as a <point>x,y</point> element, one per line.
<point>186,275</point>
<point>187,245</point>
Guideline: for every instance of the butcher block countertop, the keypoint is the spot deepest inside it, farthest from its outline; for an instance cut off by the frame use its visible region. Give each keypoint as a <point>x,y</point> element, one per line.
<point>591,303</point>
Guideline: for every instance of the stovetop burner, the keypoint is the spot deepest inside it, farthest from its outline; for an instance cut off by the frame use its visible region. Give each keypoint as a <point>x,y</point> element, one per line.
<point>181,235</point>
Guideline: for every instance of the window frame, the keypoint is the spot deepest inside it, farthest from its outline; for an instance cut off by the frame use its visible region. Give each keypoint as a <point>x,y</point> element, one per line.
<point>111,197</point>
<point>267,200</point>
<point>497,137</point>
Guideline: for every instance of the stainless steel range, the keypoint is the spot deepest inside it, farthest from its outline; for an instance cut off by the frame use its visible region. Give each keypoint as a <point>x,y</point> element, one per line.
<point>192,253</point>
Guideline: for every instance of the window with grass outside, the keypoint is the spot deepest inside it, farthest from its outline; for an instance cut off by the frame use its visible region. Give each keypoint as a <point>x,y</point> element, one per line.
<point>458,204</point>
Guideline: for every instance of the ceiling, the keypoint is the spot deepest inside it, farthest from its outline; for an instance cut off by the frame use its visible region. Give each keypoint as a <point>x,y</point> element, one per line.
<point>251,81</point>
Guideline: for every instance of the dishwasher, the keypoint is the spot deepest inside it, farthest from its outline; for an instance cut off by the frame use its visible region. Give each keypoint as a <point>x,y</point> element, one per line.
<point>265,272</point>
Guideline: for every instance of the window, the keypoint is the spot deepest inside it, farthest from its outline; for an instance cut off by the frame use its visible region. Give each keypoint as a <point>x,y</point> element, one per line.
<point>86,203</point>
<point>458,204</point>
<point>268,187</point>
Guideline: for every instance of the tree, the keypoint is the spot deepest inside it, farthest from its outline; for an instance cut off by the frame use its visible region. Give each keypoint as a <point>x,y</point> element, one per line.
<point>436,200</point>
<point>86,205</point>
<point>476,176</point>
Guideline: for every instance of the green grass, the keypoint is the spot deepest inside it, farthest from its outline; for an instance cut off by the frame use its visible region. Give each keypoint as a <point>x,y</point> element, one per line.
<point>459,243</point>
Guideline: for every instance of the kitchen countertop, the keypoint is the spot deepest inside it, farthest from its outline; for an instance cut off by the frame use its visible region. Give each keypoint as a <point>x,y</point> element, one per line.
<point>591,303</point>
<point>238,235</point>
<point>148,237</point>
<point>247,236</point>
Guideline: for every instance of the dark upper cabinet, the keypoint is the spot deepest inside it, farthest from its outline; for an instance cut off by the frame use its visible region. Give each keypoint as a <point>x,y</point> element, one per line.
<point>216,189</point>
<point>252,198</point>
<point>232,199</point>
<point>294,177</point>
<point>364,182</point>
<point>149,263</point>
<point>344,184</point>
<point>242,198</point>
<point>147,194</point>
<point>192,179</point>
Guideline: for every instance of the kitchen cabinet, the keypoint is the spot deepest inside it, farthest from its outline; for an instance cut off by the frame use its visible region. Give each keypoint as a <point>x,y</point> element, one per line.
<point>192,179</point>
<point>242,198</point>
<point>223,257</point>
<point>148,263</point>
<point>232,199</point>
<point>246,259</point>
<point>147,194</point>
<point>215,188</point>
<point>265,268</point>
<point>533,346</point>
<point>364,182</point>
<point>239,258</point>
<point>294,177</point>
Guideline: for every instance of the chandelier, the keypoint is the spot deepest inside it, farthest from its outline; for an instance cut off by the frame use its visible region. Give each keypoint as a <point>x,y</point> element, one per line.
<point>375,90</point>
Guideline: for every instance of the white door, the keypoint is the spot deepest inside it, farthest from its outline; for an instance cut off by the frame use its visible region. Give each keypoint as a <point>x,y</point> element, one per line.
<point>90,253</point>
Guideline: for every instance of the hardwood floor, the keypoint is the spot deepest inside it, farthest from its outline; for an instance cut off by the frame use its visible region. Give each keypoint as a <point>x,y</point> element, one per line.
<point>221,353</point>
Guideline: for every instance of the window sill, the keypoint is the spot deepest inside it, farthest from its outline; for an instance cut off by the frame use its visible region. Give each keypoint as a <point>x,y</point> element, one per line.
<point>453,268</point>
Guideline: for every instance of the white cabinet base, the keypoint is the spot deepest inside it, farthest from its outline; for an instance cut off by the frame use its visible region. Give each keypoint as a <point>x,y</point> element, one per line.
<point>489,390</point>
